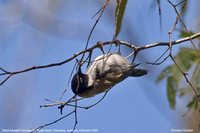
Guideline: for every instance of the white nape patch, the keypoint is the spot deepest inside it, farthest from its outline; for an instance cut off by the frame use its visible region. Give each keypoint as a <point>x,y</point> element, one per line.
<point>90,81</point>
<point>102,64</point>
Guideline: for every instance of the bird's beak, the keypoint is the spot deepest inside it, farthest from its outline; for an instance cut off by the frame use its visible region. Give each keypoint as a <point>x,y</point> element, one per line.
<point>79,70</point>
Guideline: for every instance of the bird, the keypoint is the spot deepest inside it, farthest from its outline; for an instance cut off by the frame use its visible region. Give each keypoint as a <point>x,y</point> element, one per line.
<point>105,71</point>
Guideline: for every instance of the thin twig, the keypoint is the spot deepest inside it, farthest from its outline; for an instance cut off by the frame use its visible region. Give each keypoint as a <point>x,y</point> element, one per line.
<point>185,76</point>
<point>63,104</point>
<point>178,18</point>
<point>48,124</point>
<point>5,79</point>
<point>100,12</point>
<point>98,101</point>
<point>159,7</point>
<point>160,14</point>
<point>75,115</point>
<point>3,71</point>
<point>156,61</point>
<point>170,34</point>
<point>65,90</point>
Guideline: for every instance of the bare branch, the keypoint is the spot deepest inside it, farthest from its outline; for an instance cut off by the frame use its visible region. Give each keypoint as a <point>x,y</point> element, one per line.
<point>100,12</point>
<point>73,101</point>
<point>65,90</point>
<point>48,124</point>
<point>75,114</point>
<point>62,105</point>
<point>185,76</point>
<point>5,79</point>
<point>67,103</point>
<point>96,46</point>
<point>181,20</point>
<point>158,63</point>
<point>178,18</point>
<point>167,43</point>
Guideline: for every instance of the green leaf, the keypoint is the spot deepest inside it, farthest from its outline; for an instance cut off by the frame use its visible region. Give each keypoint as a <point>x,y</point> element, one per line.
<point>183,91</point>
<point>186,34</point>
<point>188,60</point>
<point>196,77</point>
<point>191,103</point>
<point>171,70</point>
<point>184,8</point>
<point>119,13</point>
<point>176,74</point>
<point>171,92</point>
<point>165,73</point>
<point>196,74</point>
<point>185,58</point>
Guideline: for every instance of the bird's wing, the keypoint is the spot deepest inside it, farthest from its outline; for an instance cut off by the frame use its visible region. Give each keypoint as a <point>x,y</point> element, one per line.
<point>114,74</point>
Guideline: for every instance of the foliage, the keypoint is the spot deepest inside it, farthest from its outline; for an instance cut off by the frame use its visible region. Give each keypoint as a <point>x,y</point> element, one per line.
<point>188,61</point>
<point>119,13</point>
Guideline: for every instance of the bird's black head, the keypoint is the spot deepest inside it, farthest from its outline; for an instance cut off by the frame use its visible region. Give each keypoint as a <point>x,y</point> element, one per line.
<point>79,83</point>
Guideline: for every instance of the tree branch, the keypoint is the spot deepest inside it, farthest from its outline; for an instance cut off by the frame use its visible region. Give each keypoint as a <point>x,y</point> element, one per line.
<point>167,43</point>
<point>97,46</point>
<point>48,124</point>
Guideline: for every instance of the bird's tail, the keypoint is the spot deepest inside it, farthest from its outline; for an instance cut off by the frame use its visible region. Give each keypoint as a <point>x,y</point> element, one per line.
<point>137,72</point>
<point>134,72</point>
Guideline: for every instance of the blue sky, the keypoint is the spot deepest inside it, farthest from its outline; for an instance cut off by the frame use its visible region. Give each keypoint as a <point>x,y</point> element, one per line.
<point>39,33</point>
